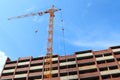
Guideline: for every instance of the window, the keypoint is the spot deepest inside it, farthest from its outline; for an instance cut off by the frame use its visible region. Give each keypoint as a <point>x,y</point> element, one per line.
<point>113,67</point>
<point>91,78</point>
<point>100,62</point>
<point>6,74</point>
<point>71,59</point>
<point>37,64</point>
<point>20,78</point>
<point>87,57</point>
<point>110,60</point>
<point>34,78</point>
<point>63,67</point>
<point>86,64</point>
<point>87,71</point>
<point>61,61</point>
<point>54,75</point>
<point>73,73</point>
<point>54,62</point>
<point>22,66</point>
<point>55,68</point>
<point>118,59</point>
<point>21,72</point>
<point>103,69</point>
<point>105,76</point>
<point>26,60</point>
<point>63,74</point>
<point>107,54</point>
<point>116,75</point>
<point>72,66</point>
<point>100,55</point>
<point>38,58</point>
<point>74,79</point>
<point>36,70</point>
<point>54,56</point>
<point>11,62</point>
<point>117,53</point>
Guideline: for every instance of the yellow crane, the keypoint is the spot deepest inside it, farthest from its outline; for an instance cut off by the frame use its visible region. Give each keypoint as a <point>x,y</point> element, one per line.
<point>48,60</point>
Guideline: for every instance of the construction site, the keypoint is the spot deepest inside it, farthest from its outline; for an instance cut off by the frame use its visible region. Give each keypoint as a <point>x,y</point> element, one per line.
<point>80,65</point>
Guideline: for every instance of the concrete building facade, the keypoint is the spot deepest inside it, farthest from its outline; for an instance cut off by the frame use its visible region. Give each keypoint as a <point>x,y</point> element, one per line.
<point>83,65</point>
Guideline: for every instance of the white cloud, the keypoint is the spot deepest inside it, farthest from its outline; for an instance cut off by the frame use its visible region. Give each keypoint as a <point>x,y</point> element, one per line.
<point>94,36</point>
<point>93,43</point>
<point>3,58</point>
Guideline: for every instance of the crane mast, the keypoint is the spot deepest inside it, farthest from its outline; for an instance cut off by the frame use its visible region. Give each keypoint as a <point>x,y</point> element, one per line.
<point>48,62</point>
<point>48,58</point>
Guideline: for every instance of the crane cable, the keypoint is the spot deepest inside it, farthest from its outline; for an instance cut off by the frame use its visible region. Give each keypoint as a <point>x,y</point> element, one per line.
<point>64,47</point>
<point>63,35</point>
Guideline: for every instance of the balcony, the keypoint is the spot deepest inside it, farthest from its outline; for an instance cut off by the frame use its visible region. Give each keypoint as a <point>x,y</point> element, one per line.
<point>84,55</point>
<point>70,77</point>
<point>35,74</point>
<point>56,78</point>
<point>22,69</point>
<point>20,75</point>
<point>72,69</point>
<point>53,72</point>
<point>107,64</point>
<point>23,63</point>
<point>85,60</point>
<point>63,70</point>
<point>110,72</point>
<point>9,71</point>
<point>10,65</point>
<point>6,77</point>
<point>24,58</point>
<point>55,59</point>
<point>67,63</point>
<point>70,56</point>
<point>62,57</point>
<point>92,74</point>
<point>104,58</point>
<point>102,52</point>
<point>36,67</point>
<point>87,67</point>
<point>112,78</point>
<point>36,61</point>
<point>55,65</point>
<point>116,50</point>
<point>68,70</point>
<point>117,56</point>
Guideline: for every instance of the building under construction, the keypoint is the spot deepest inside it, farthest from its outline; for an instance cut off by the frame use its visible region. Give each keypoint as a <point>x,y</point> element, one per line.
<point>83,65</point>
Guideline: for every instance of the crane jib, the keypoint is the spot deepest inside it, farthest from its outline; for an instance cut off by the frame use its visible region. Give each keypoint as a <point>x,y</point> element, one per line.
<point>48,58</point>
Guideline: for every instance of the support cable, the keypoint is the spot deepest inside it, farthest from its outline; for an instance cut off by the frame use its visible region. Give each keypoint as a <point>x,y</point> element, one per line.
<point>64,47</point>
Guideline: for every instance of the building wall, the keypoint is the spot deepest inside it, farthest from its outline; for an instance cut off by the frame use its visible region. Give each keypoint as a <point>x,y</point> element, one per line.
<point>83,65</point>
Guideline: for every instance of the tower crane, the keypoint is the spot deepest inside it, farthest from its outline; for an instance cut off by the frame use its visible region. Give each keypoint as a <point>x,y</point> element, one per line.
<point>48,58</point>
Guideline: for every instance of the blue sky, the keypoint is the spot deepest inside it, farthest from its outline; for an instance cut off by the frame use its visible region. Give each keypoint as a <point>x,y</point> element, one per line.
<point>89,24</point>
